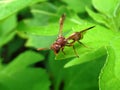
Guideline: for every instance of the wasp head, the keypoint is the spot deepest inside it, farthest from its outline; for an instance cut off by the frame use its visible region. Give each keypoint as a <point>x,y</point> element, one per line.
<point>56,48</point>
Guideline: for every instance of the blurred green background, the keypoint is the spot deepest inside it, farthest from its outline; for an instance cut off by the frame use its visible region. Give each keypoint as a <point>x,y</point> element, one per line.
<point>26,25</point>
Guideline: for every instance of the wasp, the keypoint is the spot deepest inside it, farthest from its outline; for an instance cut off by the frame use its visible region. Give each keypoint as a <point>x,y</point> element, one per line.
<point>61,41</point>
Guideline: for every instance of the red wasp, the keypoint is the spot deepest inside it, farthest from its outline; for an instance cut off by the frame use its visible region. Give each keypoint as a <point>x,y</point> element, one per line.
<point>61,41</point>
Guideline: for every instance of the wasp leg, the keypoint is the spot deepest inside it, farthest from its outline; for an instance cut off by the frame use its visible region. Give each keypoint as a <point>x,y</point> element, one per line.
<point>75,51</point>
<point>63,50</point>
<point>71,44</point>
<point>82,44</point>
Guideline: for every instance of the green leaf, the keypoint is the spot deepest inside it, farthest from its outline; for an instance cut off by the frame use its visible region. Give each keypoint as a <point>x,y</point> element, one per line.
<point>111,22</point>
<point>22,61</point>
<point>26,79</point>
<point>108,15</point>
<point>55,67</point>
<point>117,14</point>
<point>45,8</point>
<point>110,74</point>
<point>79,5</point>
<point>94,55</point>
<point>6,26</point>
<point>98,17</point>
<point>6,38</point>
<point>79,77</point>
<point>46,22</point>
<point>40,41</point>
<point>10,7</point>
<point>106,6</point>
<point>84,76</point>
<point>50,29</point>
<point>43,13</point>
<point>7,29</point>
<point>47,30</point>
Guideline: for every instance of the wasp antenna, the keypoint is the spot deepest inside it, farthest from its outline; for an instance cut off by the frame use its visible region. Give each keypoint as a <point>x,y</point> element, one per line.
<point>61,22</point>
<point>87,29</point>
<point>90,27</point>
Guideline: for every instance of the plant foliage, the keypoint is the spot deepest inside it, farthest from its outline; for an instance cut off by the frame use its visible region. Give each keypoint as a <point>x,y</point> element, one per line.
<point>28,25</point>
